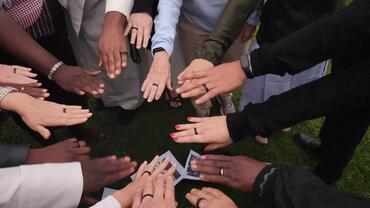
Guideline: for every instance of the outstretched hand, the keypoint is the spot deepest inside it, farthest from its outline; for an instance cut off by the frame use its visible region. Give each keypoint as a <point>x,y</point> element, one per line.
<point>16,75</point>
<point>39,114</point>
<point>140,26</point>
<point>209,198</point>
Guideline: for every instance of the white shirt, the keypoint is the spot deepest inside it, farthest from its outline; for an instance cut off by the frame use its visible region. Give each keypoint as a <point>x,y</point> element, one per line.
<point>41,186</point>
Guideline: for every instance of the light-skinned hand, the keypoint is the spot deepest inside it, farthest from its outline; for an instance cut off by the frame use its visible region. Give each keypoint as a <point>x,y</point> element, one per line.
<point>126,195</point>
<point>212,198</point>
<point>195,65</point>
<point>140,25</point>
<point>211,130</point>
<point>16,75</point>
<point>158,77</point>
<point>39,114</point>
<point>220,79</point>
<point>33,89</point>
<point>113,44</point>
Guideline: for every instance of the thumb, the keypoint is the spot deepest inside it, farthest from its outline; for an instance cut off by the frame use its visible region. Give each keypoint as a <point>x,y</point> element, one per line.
<point>93,72</point>
<point>44,132</point>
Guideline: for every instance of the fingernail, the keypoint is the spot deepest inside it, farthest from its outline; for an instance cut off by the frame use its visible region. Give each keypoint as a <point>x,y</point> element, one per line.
<point>193,162</point>
<point>201,176</point>
<point>177,126</point>
<point>194,167</point>
<point>172,135</point>
<point>203,157</point>
<point>189,119</point>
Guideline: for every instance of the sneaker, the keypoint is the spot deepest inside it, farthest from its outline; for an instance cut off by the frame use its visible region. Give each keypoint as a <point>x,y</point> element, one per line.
<point>227,105</point>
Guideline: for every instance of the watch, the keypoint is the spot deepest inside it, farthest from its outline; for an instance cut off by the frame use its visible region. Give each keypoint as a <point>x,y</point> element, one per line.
<point>159,49</point>
<point>5,91</point>
<point>245,63</point>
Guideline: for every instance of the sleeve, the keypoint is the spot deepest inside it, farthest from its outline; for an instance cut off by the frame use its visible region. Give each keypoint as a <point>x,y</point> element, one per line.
<point>13,155</point>
<point>143,6</point>
<point>165,25</point>
<point>122,6</point>
<point>41,186</point>
<point>109,201</point>
<point>296,187</point>
<point>254,18</point>
<point>345,32</point>
<point>226,31</point>
<point>335,93</point>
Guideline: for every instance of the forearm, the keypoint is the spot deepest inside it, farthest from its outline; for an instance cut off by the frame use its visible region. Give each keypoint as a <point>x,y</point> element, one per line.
<point>17,42</point>
<point>165,25</point>
<point>13,155</point>
<point>226,31</point>
<point>296,187</point>
<point>335,93</point>
<point>341,34</point>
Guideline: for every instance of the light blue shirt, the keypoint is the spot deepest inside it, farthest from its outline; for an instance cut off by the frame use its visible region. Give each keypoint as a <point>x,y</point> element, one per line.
<point>202,13</point>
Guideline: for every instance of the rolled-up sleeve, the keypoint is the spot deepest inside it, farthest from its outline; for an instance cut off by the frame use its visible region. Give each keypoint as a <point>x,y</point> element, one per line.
<point>122,6</point>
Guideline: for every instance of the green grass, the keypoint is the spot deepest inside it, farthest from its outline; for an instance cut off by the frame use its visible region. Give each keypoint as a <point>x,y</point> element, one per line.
<point>148,135</point>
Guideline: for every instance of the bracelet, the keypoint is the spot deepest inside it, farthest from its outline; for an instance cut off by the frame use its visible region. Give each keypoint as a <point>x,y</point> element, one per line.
<point>5,91</point>
<point>54,69</point>
<point>246,66</point>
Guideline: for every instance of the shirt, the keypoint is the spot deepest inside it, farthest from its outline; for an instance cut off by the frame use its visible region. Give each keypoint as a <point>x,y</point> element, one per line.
<point>204,14</point>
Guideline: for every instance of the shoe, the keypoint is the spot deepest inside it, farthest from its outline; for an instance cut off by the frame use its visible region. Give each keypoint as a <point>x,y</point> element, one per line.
<point>261,140</point>
<point>227,105</point>
<point>308,142</point>
<point>125,116</point>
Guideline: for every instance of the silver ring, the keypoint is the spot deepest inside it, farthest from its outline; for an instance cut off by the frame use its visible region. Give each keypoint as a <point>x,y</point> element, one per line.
<point>221,171</point>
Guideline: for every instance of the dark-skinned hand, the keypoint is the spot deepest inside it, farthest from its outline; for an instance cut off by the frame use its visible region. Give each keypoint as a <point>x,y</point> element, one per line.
<point>102,172</point>
<point>77,80</point>
<point>239,172</point>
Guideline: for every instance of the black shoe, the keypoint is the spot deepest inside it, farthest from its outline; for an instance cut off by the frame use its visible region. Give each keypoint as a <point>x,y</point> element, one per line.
<point>125,116</point>
<point>308,142</point>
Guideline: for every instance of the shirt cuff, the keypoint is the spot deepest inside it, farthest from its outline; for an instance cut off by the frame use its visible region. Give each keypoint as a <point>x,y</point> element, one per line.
<point>265,180</point>
<point>109,201</point>
<point>166,46</point>
<point>122,6</point>
<point>44,178</point>
<point>13,155</point>
<point>238,125</point>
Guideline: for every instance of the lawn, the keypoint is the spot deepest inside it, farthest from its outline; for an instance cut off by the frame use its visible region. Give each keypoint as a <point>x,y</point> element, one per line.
<point>148,134</point>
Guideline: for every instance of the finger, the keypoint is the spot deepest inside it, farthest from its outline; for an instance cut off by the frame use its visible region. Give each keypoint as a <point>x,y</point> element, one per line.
<point>195,92</point>
<point>93,73</point>
<point>160,90</point>
<point>201,194</point>
<point>143,87</point>
<point>146,37</point>
<point>118,62</point>
<point>148,189</point>
<point>171,171</point>
<point>128,28</point>
<point>206,97</point>
<point>148,88</point>
<point>193,199</point>
<point>214,179</point>
<point>124,60</point>
<point>209,170</point>
<point>194,84</point>
<point>152,93</point>
<point>152,164</point>
<point>213,191</point>
<point>111,63</point>
<point>141,169</point>
<point>161,167</point>
<point>133,36</point>
<point>82,143</point>
<point>24,71</point>
<point>217,157</point>
<point>169,83</point>
<point>44,132</point>
<point>198,139</point>
<point>195,75</point>
<point>137,200</point>
<point>104,57</point>
<point>139,40</point>
<point>170,192</point>
<point>88,89</point>
<point>159,188</point>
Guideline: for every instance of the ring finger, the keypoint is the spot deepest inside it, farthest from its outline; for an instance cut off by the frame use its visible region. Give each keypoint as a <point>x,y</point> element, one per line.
<point>134,30</point>
<point>139,39</point>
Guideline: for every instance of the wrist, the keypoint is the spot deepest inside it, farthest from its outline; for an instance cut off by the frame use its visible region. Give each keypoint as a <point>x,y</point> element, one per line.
<point>161,54</point>
<point>115,19</point>
<point>11,101</point>
<point>121,197</point>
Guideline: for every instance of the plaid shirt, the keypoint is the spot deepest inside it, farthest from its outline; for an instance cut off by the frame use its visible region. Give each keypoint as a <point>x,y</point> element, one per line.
<point>35,16</point>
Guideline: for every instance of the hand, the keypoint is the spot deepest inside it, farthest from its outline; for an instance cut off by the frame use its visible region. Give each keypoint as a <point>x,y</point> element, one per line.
<point>39,114</point>
<point>195,65</point>
<point>220,79</point>
<point>126,195</point>
<point>140,25</point>
<point>247,32</point>
<point>209,198</point>
<point>210,130</point>
<point>158,76</point>
<point>16,75</point>
<point>77,80</point>
<point>238,172</point>
<point>102,172</point>
<point>163,191</point>
<point>112,44</point>
<point>33,90</point>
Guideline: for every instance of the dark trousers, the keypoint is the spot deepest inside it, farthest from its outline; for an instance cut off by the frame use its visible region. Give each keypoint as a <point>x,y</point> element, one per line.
<point>59,46</point>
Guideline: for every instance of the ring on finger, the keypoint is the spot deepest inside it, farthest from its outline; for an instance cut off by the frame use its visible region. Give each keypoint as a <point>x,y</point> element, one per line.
<point>22,88</point>
<point>198,202</point>
<point>196,131</point>
<point>147,195</point>
<point>205,87</point>
<point>123,53</point>
<point>155,84</point>
<point>64,110</point>
<point>14,70</point>
<point>134,28</point>
<point>221,172</point>
<point>148,172</point>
